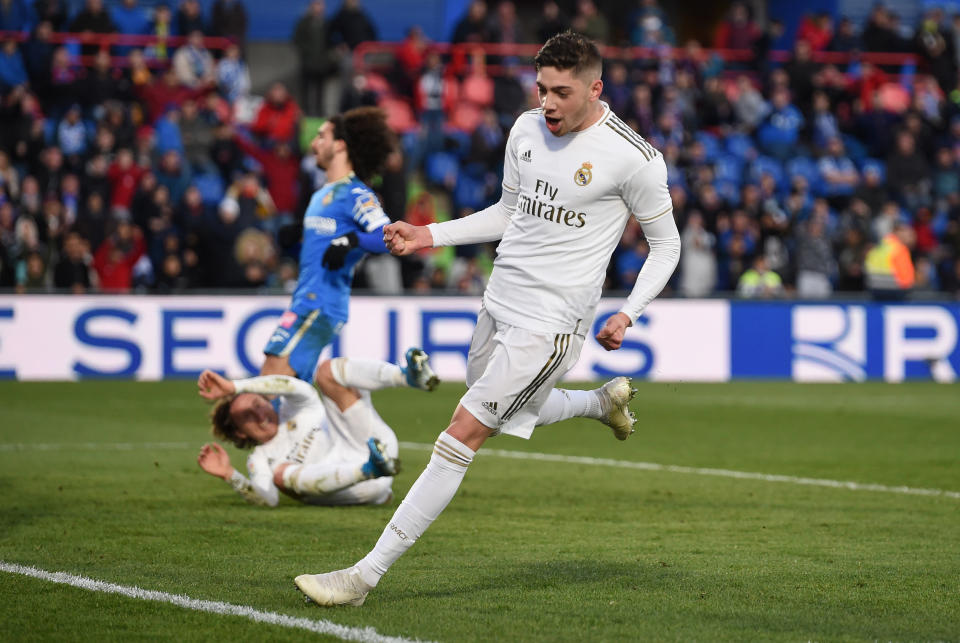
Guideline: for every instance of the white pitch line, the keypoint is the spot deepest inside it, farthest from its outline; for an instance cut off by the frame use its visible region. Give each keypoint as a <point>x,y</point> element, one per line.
<point>344,632</point>
<point>95,446</point>
<point>544,457</point>
<point>723,473</point>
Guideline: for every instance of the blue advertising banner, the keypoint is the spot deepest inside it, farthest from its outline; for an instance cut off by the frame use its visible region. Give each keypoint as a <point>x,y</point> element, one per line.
<point>844,341</point>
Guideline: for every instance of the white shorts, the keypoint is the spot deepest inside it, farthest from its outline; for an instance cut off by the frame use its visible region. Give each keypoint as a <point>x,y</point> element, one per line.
<point>511,371</point>
<point>350,439</point>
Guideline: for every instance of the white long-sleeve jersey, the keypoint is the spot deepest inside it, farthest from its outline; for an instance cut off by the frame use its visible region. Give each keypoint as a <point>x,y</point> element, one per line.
<point>304,435</point>
<point>564,206</point>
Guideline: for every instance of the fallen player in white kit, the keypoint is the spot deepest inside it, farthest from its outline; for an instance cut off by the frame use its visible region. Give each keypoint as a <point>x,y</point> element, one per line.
<point>332,449</point>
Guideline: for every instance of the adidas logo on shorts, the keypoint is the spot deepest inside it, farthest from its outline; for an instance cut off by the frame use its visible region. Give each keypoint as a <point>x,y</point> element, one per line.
<point>490,406</point>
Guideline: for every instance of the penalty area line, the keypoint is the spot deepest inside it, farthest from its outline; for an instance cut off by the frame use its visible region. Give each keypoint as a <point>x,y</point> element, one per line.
<point>319,626</point>
<point>701,471</point>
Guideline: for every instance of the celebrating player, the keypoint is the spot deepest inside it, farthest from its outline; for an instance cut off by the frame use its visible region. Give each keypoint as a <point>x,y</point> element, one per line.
<point>330,450</point>
<point>343,219</point>
<point>573,174</point>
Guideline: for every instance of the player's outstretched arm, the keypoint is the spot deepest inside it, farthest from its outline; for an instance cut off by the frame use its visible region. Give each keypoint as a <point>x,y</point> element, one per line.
<point>214,460</point>
<point>285,385</point>
<point>213,386</point>
<point>403,239</point>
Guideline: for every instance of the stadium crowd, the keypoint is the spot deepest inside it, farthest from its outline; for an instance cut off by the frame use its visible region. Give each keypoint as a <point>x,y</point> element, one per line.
<point>153,168</point>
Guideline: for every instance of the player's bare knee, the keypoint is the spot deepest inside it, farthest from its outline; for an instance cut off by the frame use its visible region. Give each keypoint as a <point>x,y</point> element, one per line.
<point>468,429</point>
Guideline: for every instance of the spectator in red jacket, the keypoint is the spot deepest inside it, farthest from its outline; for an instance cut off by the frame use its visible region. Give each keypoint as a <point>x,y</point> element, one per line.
<point>116,257</point>
<point>124,175</point>
<point>281,169</point>
<point>278,117</point>
<point>166,91</point>
<point>739,31</point>
<point>817,30</point>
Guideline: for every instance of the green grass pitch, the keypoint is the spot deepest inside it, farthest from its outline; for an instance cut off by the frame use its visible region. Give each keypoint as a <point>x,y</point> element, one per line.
<point>528,550</point>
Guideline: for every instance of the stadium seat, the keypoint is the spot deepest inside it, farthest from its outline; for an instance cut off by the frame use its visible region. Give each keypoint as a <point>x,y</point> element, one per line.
<point>442,168</point>
<point>378,84</point>
<point>728,191</point>
<point>675,176</point>
<point>210,186</point>
<point>50,131</point>
<point>711,145</point>
<point>470,192</point>
<point>728,167</point>
<point>466,117</point>
<point>741,146</point>
<point>856,150</point>
<point>400,116</point>
<point>458,142</point>
<point>807,168</point>
<point>874,165</point>
<point>767,165</point>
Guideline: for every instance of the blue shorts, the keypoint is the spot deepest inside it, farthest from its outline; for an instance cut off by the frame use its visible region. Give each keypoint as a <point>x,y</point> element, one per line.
<point>301,338</point>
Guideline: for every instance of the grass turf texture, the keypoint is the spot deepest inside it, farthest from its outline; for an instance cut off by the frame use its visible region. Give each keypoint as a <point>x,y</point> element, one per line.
<point>538,551</point>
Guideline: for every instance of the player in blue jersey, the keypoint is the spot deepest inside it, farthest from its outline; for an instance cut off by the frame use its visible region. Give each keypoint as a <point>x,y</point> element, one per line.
<point>342,222</point>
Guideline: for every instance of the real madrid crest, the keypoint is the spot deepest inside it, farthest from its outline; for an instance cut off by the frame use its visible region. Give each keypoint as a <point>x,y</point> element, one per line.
<point>584,175</point>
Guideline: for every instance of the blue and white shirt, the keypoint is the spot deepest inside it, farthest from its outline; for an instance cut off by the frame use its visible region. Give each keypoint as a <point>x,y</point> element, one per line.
<point>336,209</point>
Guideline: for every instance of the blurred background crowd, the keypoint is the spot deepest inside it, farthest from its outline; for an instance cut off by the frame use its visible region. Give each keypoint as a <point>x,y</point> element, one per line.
<point>134,155</point>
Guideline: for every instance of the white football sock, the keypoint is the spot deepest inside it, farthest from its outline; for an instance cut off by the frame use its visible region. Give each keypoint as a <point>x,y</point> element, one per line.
<point>366,374</point>
<point>428,496</point>
<point>318,479</point>
<point>563,404</point>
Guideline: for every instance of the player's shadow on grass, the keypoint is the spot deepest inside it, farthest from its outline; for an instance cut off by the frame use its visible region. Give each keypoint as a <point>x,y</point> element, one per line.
<point>561,575</point>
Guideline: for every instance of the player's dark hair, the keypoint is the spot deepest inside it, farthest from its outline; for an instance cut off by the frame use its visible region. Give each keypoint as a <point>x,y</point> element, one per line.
<point>569,50</point>
<point>224,428</point>
<point>368,137</point>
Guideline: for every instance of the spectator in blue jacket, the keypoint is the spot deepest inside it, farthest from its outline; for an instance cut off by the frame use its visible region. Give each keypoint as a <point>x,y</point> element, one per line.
<point>840,175</point>
<point>130,18</point>
<point>12,70</point>
<point>14,15</point>
<point>779,133</point>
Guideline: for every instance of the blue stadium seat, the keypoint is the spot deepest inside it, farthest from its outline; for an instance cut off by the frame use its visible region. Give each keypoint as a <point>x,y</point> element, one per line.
<point>728,167</point>
<point>410,142</point>
<point>728,191</point>
<point>675,176</point>
<point>856,150</point>
<point>470,192</point>
<point>210,186</point>
<point>767,165</point>
<point>741,146</point>
<point>442,168</point>
<point>50,131</point>
<point>711,145</point>
<point>460,141</point>
<point>874,165</point>
<point>807,168</point>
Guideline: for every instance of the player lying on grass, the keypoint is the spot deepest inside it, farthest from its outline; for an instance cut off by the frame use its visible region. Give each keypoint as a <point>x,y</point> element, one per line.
<point>332,449</point>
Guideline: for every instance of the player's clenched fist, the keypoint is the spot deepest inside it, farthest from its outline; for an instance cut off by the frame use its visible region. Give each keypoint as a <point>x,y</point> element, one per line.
<point>611,335</point>
<point>401,238</point>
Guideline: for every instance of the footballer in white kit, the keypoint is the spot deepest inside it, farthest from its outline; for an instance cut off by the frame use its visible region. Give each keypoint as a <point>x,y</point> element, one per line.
<point>573,174</point>
<point>332,449</point>
<point>571,198</point>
